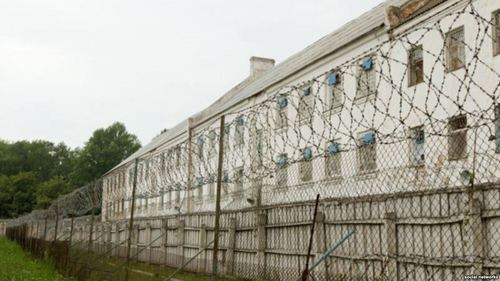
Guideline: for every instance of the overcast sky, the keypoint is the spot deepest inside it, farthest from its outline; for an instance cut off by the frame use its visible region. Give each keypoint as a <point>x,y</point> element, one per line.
<point>68,67</point>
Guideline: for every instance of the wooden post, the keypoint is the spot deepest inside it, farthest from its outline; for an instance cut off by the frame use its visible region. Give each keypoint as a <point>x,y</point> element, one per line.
<point>231,246</point>
<point>202,261</point>
<point>474,228</point>
<point>180,241</point>
<point>215,258</point>
<point>390,246</point>
<point>261,245</point>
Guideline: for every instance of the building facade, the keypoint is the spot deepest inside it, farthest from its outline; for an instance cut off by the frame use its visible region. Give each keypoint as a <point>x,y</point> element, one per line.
<point>404,98</point>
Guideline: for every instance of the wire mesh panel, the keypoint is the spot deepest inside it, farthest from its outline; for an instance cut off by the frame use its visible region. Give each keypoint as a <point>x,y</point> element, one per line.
<point>400,139</point>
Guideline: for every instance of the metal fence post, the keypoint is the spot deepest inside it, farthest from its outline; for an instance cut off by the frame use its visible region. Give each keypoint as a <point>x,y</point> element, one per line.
<point>131,221</point>
<point>217,200</point>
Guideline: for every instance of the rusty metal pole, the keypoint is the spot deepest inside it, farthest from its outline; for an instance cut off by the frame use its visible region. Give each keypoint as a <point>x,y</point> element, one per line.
<point>131,221</point>
<point>217,201</point>
<point>305,273</point>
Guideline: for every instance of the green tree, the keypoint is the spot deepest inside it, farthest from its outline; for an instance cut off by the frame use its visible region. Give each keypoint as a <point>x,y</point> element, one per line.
<point>105,149</point>
<point>22,187</point>
<point>47,191</point>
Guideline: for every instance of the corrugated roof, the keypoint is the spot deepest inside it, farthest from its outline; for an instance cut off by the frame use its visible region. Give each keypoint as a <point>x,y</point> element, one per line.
<point>349,32</point>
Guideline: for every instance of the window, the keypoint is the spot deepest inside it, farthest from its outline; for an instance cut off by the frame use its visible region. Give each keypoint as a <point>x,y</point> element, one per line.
<point>306,165</point>
<point>416,66</point>
<point>496,32</point>
<point>238,180</point>
<point>306,105</point>
<point>227,131</point>
<point>497,128</point>
<point>212,136</point>
<point>366,83</point>
<point>367,153</point>
<point>199,188</point>
<point>258,148</point>
<point>455,49</point>
<point>417,143</point>
<point>281,112</point>
<point>333,160</point>
<point>334,92</point>
<point>239,132</point>
<point>211,187</point>
<point>457,139</point>
<point>177,193</point>
<point>200,145</point>
<point>281,174</point>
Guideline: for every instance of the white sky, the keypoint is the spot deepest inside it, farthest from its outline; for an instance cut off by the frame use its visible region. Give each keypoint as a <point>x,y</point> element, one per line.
<point>68,67</point>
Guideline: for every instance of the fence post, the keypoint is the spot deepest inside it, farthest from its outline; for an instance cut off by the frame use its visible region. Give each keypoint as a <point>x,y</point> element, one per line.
<point>320,246</point>
<point>390,245</point>
<point>261,244</point>
<point>202,261</point>
<point>230,246</point>
<point>131,221</point>
<point>180,241</point>
<point>474,228</point>
<point>164,241</point>
<point>149,238</point>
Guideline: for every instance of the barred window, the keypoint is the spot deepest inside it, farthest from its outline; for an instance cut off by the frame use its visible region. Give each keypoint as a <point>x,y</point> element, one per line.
<point>213,143</point>
<point>335,91</point>
<point>200,145</point>
<point>333,160</point>
<point>239,131</point>
<point>211,186</point>
<point>177,193</point>
<point>416,66</point>
<point>455,49</point>
<point>497,128</point>
<point>281,112</point>
<point>366,80</point>
<point>258,148</point>
<point>281,173</point>
<point>367,152</point>
<point>306,101</point>
<point>417,145</point>
<point>238,180</point>
<point>457,138</point>
<point>496,32</point>
<point>306,165</point>
<point>227,131</point>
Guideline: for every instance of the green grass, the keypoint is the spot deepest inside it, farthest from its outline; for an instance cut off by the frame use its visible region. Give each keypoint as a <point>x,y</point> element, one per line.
<point>17,265</point>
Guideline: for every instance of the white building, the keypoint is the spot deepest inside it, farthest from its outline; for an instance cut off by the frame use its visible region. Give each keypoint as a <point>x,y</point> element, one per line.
<point>405,97</point>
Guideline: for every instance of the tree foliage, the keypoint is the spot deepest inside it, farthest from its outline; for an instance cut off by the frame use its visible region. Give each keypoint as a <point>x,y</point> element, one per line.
<point>34,173</point>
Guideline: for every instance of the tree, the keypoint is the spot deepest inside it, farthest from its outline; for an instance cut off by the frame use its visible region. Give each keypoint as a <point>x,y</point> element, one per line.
<point>22,187</point>
<point>105,149</point>
<point>47,191</point>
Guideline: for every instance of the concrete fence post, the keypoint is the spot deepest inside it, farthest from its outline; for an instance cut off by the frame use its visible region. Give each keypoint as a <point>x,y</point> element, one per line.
<point>320,245</point>
<point>149,238</point>
<point>474,230</point>
<point>202,260</point>
<point>231,245</point>
<point>390,246</point>
<point>164,241</point>
<point>261,244</point>
<point>180,242</point>
<point>109,239</point>
<point>136,240</point>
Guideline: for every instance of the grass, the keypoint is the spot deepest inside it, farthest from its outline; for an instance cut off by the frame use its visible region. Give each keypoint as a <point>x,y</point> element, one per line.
<point>17,265</point>
<point>144,272</point>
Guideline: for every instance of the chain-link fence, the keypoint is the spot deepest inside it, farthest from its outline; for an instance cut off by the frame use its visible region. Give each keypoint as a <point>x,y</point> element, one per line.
<point>401,143</point>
